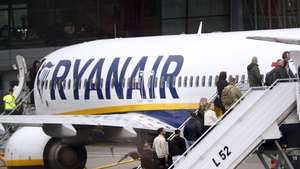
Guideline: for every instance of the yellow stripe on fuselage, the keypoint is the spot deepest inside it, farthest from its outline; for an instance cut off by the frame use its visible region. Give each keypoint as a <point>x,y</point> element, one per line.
<point>23,163</point>
<point>134,108</point>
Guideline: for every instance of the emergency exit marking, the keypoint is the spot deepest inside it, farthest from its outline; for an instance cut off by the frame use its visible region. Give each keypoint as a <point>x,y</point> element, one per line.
<point>223,154</point>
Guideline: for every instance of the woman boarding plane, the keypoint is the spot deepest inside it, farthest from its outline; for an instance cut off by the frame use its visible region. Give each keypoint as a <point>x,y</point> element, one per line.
<point>117,88</point>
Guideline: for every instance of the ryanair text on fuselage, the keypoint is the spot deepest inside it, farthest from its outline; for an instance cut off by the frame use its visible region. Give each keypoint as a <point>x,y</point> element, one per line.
<point>63,68</point>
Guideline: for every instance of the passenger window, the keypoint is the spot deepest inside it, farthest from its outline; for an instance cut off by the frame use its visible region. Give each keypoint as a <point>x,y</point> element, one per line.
<point>203,81</point>
<point>243,79</point>
<point>173,81</point>
<point>64,84</point>
<point>210,81</point>
<point>162,82</point>
<point>191,81</point>
<point>69,83</point>
<point>216,79</point>
<point>42,84</point>
<point>185,81</point>
<point>179,81</point>
<point>132,83</point>
<point>123,83</point>
<point>139,82</point>
<point>50,83</point>
<point>237,78</point>
<point>112,83</point>
<point>79,84</point>
<point>85,85</point>
<point>169,81</point>
<point>155,82</point>
<point>129,83</point>
<point>197,81</point>
<point>46,84</point>
<point>93,84</point>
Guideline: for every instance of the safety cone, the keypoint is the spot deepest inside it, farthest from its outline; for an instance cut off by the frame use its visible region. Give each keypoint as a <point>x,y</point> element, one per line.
<point>273,164</point>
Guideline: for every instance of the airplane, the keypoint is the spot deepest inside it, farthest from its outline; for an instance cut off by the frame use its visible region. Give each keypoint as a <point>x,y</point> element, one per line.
<point>118,89</point>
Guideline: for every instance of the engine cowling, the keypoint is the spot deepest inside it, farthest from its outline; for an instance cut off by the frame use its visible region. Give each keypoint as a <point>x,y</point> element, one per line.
<point>30,147</point>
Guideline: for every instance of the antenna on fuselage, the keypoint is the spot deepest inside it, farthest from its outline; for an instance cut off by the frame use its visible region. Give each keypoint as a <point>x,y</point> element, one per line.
<point>200,28</point>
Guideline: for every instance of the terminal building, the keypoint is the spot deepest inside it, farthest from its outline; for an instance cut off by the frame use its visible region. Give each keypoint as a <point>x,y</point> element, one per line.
<point>34,28</point>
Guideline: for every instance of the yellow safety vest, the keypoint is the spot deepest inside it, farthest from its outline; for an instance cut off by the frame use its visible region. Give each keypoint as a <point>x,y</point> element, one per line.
<point>9,102</point>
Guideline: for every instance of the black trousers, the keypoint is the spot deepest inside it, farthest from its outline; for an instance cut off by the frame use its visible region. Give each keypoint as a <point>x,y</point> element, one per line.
<point>162,163</point>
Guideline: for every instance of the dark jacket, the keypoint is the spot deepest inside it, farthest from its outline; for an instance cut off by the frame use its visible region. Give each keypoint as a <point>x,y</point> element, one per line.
<point>221,84</point>
<point>177,146</point>
<point>254,76</point>
<point>281,73</point>
<point>149,159</point>
<point>192,130</point>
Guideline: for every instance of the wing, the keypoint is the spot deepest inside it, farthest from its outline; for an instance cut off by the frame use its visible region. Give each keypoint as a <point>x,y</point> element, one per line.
<point>63,125</point>
<point>276,39</point>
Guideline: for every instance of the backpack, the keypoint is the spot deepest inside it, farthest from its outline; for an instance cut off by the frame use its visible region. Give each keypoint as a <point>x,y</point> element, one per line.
<point>192,129</point>
<point>270,77</point>
<point>226,97</point>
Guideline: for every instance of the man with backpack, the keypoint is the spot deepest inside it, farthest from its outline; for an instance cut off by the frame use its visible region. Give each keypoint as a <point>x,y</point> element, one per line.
<point>279,72</point>
<point>230,94</point>
<point>193,129</point>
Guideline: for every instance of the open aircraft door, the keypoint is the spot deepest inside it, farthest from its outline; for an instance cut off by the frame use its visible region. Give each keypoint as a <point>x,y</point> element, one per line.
<point>22,68</point>
<point>295,56</point>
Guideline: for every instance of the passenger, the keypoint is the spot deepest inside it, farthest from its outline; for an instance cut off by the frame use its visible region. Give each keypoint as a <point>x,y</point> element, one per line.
<point>193,129</point>
<point>161,148</point>
<point>210,116</point>
<point>9,102</point>
<point>286,57</point>
<point>230,94</point>
<point>254,77</point>
<point>280,70</point>
<point>149,158</point>
<point>221,84</point>
<point>202,107</point>
<point>177,146</point>
<point>32,74</point>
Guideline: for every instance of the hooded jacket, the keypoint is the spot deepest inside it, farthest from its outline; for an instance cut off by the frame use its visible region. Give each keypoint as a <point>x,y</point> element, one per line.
<point>254,77</point>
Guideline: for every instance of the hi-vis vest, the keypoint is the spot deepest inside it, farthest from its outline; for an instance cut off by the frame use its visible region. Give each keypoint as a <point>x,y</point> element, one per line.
<point>9,102</point>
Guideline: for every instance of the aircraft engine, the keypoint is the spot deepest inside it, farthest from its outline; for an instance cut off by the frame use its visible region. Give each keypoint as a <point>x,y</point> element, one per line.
<point>30,147</point>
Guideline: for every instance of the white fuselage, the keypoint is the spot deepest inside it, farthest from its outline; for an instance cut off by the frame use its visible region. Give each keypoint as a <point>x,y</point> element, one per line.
<point>165,73</point>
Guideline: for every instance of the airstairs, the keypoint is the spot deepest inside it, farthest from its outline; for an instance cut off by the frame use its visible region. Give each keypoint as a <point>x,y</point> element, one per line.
<point>256,117</point>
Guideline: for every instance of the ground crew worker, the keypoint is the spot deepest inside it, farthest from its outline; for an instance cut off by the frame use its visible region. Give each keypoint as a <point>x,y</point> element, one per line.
<point>230,94</point>
<point>9,102</point>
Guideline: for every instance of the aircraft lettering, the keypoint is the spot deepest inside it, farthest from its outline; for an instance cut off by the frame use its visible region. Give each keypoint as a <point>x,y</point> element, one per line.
<point>57,80</point>
<point>97,85</point>
<point>77,75</point>
<point>138,68</point>
<point>178,60</point>
<point>152,77</point>
<point>115,77</point>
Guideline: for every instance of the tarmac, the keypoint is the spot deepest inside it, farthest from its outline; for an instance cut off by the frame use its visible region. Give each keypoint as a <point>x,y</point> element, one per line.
<point>107,156</point>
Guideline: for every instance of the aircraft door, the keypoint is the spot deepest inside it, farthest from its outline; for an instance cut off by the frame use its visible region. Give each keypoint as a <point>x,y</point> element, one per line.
<point>295,56</point>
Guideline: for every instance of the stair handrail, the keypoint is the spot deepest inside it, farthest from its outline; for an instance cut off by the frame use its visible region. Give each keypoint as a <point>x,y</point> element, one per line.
<point>228,111</point>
